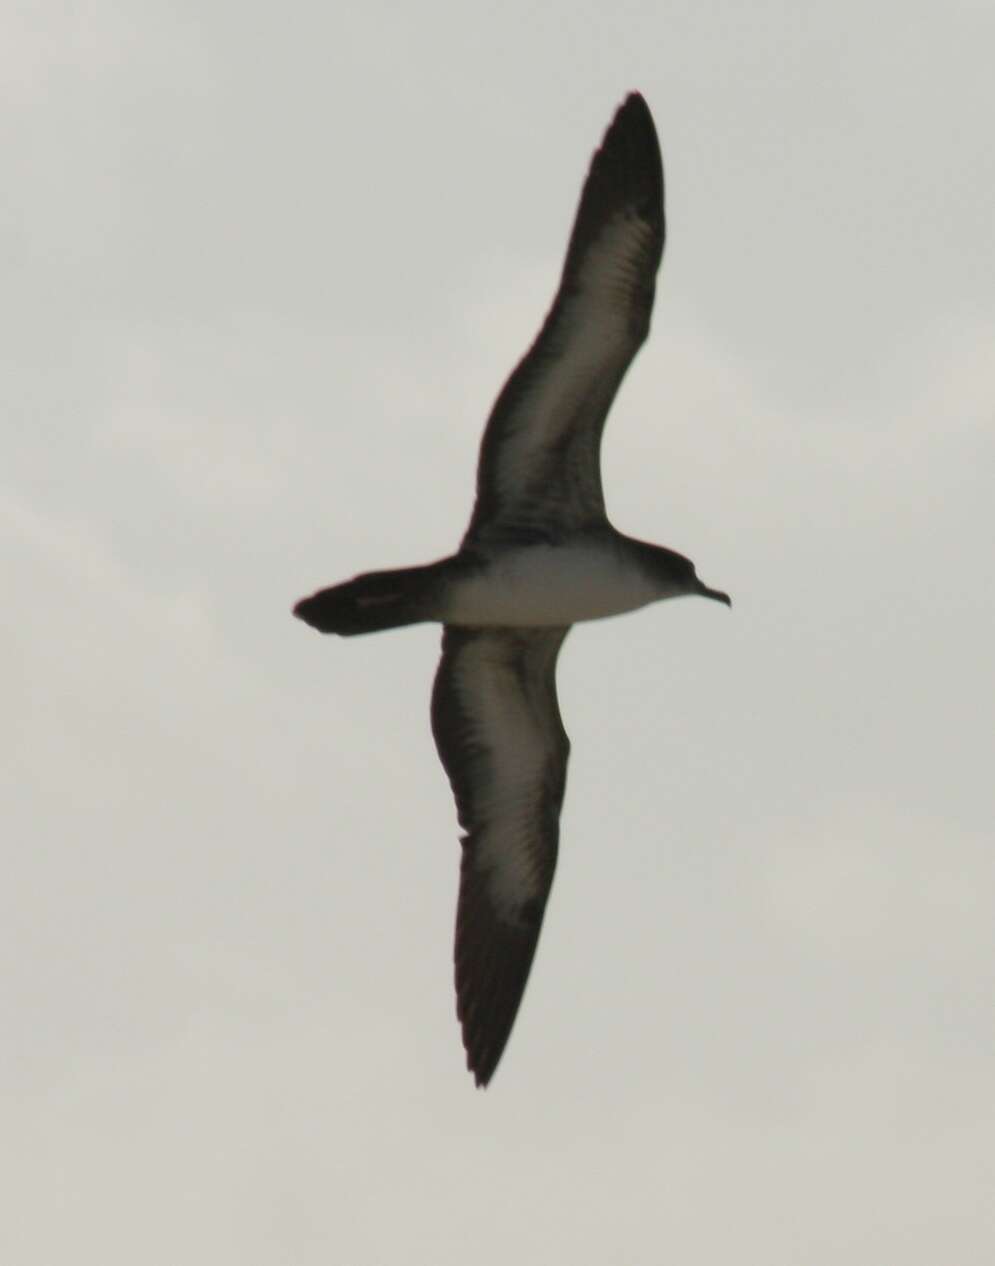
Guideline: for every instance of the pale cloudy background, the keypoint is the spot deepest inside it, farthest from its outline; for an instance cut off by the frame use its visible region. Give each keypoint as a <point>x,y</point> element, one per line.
<point>264,270</point>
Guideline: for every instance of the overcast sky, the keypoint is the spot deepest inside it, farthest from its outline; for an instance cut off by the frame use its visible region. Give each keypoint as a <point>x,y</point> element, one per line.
<point>265,270</point>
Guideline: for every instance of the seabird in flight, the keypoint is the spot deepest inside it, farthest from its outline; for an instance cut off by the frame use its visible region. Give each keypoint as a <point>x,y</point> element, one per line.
<point>538,556</point>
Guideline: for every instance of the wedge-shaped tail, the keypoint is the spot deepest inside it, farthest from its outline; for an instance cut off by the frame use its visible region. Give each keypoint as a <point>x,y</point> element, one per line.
<point>374,601</point>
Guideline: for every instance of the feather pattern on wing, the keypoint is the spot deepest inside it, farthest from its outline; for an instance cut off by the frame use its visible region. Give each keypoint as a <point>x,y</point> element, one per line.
<point>539,471</point>
<point>497,726</point>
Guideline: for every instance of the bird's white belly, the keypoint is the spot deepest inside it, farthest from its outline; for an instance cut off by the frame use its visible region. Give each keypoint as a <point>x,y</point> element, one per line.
<point>549,585</point>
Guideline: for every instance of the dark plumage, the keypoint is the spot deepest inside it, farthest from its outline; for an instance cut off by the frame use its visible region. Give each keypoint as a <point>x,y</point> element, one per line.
<point>539,555</point>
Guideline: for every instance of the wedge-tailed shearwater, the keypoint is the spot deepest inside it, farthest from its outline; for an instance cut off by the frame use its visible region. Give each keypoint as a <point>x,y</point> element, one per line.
<point>538,556</point>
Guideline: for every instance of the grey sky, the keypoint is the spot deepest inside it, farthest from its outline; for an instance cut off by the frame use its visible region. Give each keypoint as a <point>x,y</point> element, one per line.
<point>264,274</point>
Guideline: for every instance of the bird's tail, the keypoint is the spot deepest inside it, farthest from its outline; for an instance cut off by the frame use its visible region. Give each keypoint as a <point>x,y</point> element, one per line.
<point>373,601</point>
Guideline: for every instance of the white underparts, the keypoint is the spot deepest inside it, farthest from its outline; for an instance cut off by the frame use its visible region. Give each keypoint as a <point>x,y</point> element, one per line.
<point>551,585</point>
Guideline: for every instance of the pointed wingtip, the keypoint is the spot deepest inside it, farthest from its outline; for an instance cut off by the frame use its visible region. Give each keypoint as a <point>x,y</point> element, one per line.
<point>635,107</point>
<point>635,100</point>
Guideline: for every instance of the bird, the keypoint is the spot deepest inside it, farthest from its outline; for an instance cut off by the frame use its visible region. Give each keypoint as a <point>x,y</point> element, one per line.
<point>539,555</point>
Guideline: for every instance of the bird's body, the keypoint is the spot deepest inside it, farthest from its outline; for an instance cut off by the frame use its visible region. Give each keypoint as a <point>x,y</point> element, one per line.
<point>590,576</point>
<point>538,556</point>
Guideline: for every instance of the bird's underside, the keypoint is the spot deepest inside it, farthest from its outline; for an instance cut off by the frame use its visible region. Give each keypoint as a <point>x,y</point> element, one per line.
<point>538,555</point>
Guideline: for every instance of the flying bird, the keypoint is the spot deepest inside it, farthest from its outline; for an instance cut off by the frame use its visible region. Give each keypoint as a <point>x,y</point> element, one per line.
<point>539,555</point>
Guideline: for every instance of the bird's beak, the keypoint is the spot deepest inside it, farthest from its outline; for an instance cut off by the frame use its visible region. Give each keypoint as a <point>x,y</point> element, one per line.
<point>717,594</point>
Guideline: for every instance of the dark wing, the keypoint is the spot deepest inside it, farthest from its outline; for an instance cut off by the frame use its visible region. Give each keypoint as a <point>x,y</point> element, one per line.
<point>497,726</point>
<point>540,467</point>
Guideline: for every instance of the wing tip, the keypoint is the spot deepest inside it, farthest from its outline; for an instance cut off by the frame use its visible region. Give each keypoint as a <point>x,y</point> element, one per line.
<point>492,971</point>
<point>632,128</point>
<point>635,103</point>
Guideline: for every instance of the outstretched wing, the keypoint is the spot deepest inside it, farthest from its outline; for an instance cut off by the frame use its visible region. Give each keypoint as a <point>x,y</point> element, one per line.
<point>497,726</point>
<point>540,467</point>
